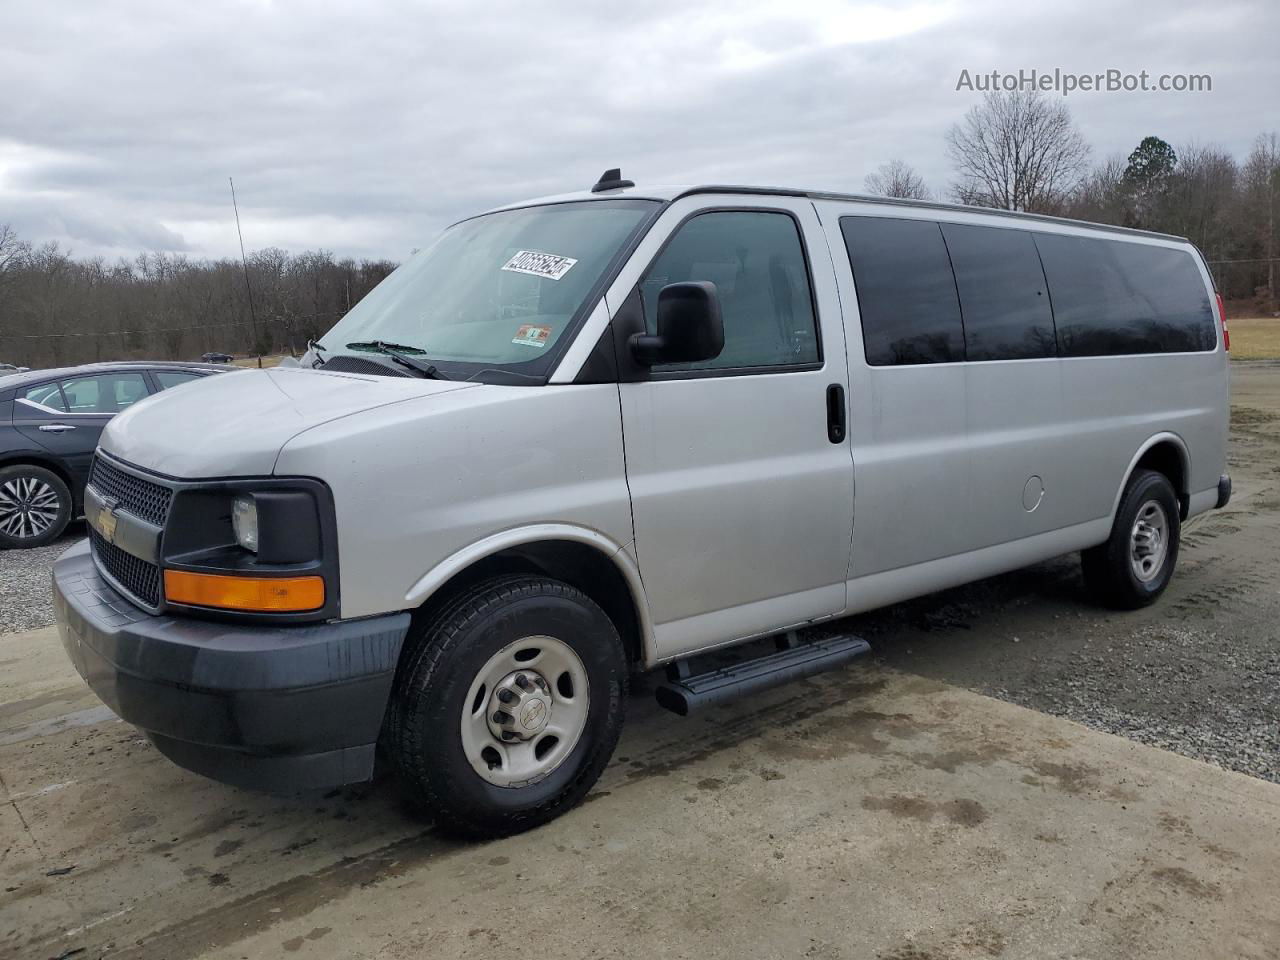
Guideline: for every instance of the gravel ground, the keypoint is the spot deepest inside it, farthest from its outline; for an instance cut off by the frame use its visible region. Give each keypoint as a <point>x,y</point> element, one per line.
<point>24,583</point>
<point>1191,688</point>
<point>1197,673</point>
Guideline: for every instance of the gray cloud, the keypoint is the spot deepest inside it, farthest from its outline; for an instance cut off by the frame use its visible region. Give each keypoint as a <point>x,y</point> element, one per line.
<point>364,130</point>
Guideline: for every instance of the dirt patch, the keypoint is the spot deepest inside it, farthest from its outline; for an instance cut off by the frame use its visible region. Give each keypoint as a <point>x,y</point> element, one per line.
<point>295,944</point>
<point>1247,416</point>
<point>963,812</point>
<point>1069,777</point>
<point>950,761</point>
<point>1184,880</point>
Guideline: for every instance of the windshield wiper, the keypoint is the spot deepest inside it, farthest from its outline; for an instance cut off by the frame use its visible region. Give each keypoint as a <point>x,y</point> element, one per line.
<point>396,351</point>
<point>319,349</point>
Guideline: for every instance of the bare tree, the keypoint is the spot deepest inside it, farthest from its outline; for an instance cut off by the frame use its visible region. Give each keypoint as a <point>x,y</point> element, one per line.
<point>1103,195</point>
<point>1199,200</point>
<point>1261,192</point>
<point>9,247</point>
<point>897,178</point>
<point>58,309</point>
<point>11,252</point>
<point>1017,151</point>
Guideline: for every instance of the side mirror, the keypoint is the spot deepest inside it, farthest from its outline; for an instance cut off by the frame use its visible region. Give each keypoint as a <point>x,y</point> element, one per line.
<point>689,326</point>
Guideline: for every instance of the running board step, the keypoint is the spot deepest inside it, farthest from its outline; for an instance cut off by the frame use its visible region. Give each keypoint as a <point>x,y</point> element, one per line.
<point>685,692</point>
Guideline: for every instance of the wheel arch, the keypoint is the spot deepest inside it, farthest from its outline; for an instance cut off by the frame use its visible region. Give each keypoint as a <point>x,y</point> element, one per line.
<point>581,557</point>
<point>1164,453</point>
<point>24,458</point>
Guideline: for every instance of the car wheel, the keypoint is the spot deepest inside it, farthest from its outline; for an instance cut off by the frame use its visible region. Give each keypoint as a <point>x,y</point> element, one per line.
<point>508,707</point>
<point>35,506</point>
<point>1136,563</point>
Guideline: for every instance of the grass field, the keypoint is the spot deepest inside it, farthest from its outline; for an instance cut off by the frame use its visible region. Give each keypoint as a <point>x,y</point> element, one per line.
<point>1255,338</point>
<point>270,361</point>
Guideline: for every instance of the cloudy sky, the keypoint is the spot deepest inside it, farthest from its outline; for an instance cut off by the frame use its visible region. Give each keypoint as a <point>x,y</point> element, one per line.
<point>364,128</point>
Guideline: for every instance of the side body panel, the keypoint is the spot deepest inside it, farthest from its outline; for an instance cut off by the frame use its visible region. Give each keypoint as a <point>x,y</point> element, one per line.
<point>911,456</point>
<point>742,505</point>
<point>67,438</point>
<point>943,453</point>
<point>416,483</point>
<point>1115,405</point>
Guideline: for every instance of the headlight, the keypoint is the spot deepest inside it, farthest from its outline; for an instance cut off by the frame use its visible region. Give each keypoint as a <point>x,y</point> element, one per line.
<point>244,521</point>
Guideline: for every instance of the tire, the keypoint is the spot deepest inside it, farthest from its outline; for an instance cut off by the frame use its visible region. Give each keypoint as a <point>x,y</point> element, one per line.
<point>35,506</point>
<point>468,656</point>
<point>1125,572</point>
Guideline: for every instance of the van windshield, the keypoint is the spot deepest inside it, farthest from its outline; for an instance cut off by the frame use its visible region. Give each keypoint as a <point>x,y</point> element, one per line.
<point>500,293</point>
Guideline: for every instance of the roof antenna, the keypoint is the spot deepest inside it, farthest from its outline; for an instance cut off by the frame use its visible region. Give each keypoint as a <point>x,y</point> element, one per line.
<point>611,179</point>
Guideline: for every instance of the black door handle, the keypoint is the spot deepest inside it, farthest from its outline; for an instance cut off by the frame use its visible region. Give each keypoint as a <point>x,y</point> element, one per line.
<point>835,413</point>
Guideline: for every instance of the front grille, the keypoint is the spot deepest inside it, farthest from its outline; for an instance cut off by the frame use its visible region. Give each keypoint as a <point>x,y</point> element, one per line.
<point>146,500</point>
<point>137,577</point>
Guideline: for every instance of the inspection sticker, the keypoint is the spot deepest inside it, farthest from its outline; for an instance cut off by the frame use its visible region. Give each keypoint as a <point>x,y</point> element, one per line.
<point>539,264</point>
<point>532,335</point>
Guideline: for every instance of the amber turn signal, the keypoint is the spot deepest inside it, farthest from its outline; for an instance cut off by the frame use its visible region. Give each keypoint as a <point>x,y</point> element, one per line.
<point>257,594</point>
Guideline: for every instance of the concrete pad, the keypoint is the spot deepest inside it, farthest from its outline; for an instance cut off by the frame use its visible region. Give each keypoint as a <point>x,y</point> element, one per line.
<point>866,813</point>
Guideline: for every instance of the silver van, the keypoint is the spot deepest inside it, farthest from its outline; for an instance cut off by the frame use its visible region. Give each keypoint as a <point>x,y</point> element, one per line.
<point>599,433</point>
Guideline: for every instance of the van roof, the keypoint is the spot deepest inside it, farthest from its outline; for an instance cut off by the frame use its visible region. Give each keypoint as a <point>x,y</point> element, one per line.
<point>669,192</point>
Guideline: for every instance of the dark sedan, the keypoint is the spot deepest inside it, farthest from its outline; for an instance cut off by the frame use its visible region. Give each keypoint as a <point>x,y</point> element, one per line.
<point>50,421</point>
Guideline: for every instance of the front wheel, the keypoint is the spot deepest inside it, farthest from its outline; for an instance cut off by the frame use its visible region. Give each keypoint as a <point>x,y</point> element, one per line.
<point>1136,563</point>
<point>509,706</point>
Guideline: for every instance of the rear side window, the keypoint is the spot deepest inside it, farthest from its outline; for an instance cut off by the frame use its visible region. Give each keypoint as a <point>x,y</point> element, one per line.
<point>757,263</point>
<point>1112,297</point>
<point>47,395</point>
<point>105,393</point>
<point>172,378</point>
<point>906,291</point>
<point>1003,296</point>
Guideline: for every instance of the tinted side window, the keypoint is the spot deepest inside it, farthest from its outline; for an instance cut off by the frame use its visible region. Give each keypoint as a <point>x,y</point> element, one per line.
<point>1003,297</point>
<point>171,378</point>
<point>47,395</point>
<point>106,393</point>
<point>757,263</point>
<point>1113,297</point>
<point>906,291</point>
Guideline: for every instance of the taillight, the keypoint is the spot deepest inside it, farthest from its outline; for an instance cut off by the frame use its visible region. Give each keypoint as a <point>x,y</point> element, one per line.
<point>1222,319</point>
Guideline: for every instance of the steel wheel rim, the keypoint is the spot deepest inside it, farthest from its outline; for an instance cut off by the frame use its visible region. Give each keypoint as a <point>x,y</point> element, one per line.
<point>1149,541</point>
<point>541,720</point>
<point>29,508</point>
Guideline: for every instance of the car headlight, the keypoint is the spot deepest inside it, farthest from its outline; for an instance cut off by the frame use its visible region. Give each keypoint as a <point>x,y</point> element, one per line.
<point>259,546</point>
<point>244,521</point>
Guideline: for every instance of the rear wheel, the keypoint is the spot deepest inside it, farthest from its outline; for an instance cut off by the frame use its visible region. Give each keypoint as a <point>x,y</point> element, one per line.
<point>1136,563</point>
<point>35,506</point>
<point>509,706</point>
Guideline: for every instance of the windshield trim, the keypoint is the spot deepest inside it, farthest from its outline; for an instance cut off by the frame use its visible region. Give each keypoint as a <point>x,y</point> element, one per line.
<point>512,374</point>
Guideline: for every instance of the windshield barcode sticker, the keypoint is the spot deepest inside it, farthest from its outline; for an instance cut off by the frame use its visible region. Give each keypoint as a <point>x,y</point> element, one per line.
<point>532,335</point>
<point>539,264</point>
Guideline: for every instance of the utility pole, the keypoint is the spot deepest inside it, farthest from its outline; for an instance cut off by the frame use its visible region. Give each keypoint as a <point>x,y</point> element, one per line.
<point>244,262</point>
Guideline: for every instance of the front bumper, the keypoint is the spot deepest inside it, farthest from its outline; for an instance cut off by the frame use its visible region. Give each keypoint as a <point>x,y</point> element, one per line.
<point>267,706</point>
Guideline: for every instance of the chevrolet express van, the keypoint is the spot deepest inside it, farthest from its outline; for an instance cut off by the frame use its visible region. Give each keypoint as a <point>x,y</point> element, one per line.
<point>598,433</point>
